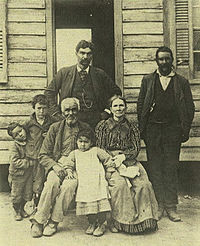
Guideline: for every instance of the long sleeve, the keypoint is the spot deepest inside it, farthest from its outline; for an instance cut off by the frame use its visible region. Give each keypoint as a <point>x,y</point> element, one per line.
<point>132,152</point>
<point>68,162</point>
<point>52,91</point>
<point>17,161</point>
<point>141,98</point>
<point>46,151</point>
<point>104,157</point>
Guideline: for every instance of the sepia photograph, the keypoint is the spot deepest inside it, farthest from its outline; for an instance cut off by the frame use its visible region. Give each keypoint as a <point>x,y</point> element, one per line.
<point>100,122</point>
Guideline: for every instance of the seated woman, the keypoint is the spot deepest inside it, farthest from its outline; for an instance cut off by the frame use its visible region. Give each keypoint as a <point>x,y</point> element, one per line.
<point>134,209</point>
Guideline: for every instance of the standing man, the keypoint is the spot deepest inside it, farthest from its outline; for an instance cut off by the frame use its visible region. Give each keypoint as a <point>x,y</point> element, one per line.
<point>165,112</point>
<point>92,86</point>
<point>58,191</point>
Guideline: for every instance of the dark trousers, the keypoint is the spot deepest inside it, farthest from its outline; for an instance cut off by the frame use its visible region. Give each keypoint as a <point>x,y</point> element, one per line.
<point>163,142</point>
<point>100,217</point>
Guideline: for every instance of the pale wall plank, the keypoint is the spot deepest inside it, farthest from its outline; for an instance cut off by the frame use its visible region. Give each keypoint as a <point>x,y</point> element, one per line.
<point>4,145</point>
<point>26,83</point>
<point>143,4</point>
<point>145,54</point>
<point>26,55</point>
<point>26,28</point>
<point>142,15</point>
<point>142,41</point>
<point>4,135</point>
<point>132,80</point>
<point>143,28</point>
<point>26,15</point>
<point>5,120</point>
<point>27,69</point>
<point>15,109</point>
<point>27,42</point>
<point>26,4</point>
<point>18,95</point>
<point>139,67</point>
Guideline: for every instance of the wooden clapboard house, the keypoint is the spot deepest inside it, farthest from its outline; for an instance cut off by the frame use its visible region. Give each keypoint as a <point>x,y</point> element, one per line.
<point>126,33</point>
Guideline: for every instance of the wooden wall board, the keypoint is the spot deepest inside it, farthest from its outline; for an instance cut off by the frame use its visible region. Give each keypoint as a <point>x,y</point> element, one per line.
<point>26,15</point>
<point>15,109</point>
<point>22,96</point>
<point>27,69</point>
<point>143,41</point>
<point>26,28</point>
<point>143,28</point>
<point>26,83</point>
<point>26,4</point>
<point>142,15</point>
<point>36,56</point>
<point>5,120</point>
<point>138,54</point>
<point>143,4</point>
<point>139,67</point>
<point>26,42</point>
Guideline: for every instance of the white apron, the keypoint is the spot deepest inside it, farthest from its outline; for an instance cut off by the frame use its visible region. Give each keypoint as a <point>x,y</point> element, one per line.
<point>92,185</point>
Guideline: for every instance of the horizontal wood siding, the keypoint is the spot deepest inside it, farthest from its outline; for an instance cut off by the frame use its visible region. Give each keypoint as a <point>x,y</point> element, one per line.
<point>27,64</point>
<point>142,35</point>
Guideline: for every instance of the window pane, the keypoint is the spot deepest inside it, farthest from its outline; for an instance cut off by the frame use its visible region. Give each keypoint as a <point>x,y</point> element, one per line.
<point>197,62</point>
<point>196,40</point>
<point>66,41</point>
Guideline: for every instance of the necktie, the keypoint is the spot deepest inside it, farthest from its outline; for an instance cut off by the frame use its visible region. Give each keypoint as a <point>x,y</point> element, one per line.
<point>83,75</point>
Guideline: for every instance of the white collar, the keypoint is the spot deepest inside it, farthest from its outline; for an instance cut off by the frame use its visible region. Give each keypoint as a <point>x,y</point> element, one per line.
<point>80,69</point>
<point>171,74</point>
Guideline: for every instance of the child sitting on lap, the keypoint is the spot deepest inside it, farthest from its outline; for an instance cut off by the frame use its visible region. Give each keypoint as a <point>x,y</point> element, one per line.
<point>92,193</point>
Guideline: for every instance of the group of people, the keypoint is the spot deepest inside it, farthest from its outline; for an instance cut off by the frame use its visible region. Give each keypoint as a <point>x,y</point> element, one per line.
<point>84,147</point>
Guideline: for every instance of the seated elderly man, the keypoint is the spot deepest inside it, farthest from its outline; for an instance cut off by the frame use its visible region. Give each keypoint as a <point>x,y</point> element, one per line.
<point>58,191</point>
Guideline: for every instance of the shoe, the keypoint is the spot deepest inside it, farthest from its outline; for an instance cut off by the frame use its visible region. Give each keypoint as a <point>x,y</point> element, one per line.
<point>160,212</point>
<point>24,214</point>
<point>18,216</point>
<point>36,229</point>
<point>90,229</point>
<point>99,231</point>
<point>173,215</point>
<point>50,229</point>
<point>113,229</point>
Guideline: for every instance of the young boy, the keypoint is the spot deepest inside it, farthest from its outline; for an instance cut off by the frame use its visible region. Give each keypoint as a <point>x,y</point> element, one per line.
<point>37,128</point>
<point>20,171</point>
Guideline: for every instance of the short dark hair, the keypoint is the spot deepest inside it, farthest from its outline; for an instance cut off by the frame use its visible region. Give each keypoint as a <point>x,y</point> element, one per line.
<point>110,101</point>
<point>85,44</point>
<point>12,126</point>
<point>41,99</point>
<point>164,49</point>
<point>89,134</point>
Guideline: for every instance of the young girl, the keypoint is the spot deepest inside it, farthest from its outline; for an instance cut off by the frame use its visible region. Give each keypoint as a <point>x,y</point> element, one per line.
<point>92,193</point>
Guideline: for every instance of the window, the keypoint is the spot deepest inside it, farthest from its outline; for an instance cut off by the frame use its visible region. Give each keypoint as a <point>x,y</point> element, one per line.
<point>3,42</point>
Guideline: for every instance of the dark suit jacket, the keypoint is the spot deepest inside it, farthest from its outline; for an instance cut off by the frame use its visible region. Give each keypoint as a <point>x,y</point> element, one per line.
<point>183,100</point>
<point>50,151</point>
<point>62,85</point>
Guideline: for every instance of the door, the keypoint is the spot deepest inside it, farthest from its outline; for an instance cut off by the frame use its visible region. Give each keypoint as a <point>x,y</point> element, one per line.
<point>90,20</point>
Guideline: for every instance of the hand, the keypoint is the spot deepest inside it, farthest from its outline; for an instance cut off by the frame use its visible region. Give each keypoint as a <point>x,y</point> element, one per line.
<point>118,159</point>
<point>108,175</point>
<point>70,175</point>
<point>60,171</point>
